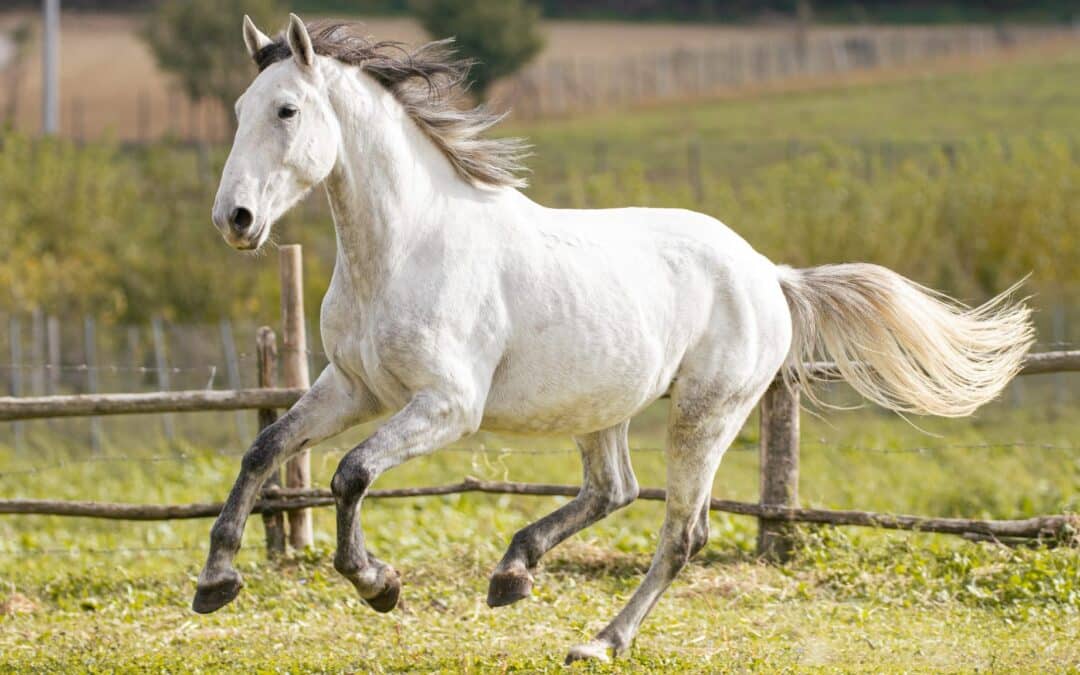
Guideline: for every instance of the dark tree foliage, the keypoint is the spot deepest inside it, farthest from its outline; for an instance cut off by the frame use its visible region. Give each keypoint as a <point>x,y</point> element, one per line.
<point>500,36</point>
<point>199,41</point>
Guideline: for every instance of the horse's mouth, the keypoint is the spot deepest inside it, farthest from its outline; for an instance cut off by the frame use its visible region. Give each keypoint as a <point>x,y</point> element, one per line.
<point>251,241</point>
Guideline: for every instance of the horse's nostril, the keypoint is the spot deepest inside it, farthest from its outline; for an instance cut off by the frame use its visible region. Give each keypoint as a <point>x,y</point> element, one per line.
<point>241,219</point>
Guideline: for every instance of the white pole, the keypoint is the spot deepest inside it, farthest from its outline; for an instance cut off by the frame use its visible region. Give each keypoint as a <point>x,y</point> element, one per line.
<point>50,106</point>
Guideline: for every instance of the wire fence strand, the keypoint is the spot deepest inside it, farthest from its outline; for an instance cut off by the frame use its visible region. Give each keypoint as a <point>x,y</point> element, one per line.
<point>821,444</point>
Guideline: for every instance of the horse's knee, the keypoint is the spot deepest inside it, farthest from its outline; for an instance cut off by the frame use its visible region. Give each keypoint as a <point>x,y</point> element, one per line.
<point>609,501</point>
<point>263,452</point>
<point>628,491</point>
<point>350,480</point>
<point>613,496</point>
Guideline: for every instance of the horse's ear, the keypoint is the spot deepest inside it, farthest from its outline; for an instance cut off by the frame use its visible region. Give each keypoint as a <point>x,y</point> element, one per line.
<point>254,38</point>
<point>300,41</point>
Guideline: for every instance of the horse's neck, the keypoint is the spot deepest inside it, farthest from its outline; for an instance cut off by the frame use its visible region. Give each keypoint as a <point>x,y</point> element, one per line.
<point>390,187</point>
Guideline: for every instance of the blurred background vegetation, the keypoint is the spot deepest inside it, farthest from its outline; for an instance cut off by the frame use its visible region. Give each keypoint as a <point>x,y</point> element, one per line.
<point>965,182</point>
<point>822,131</point>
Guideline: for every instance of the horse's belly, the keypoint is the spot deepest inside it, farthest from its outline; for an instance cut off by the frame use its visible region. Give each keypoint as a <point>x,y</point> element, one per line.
<point>560,391</point>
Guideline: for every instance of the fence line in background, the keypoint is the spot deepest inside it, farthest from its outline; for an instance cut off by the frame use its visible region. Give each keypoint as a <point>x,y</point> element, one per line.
<point>557,87</point>
<point>1048,529</point>
<point>82,405</point>
<point>565,451</point>
<point>776,511</point>
<point>778,446</point>
<point>561,86</point>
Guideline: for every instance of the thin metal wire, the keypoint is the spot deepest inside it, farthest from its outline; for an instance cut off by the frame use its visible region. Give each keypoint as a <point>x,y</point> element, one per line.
<point>821,444</point>
<point>82,368</point>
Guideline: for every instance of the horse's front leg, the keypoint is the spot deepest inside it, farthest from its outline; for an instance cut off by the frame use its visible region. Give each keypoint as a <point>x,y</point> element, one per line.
<point>329,407</point>
<point>428,421</point>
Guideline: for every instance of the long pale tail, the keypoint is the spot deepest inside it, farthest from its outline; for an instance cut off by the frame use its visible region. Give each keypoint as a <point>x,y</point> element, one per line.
<point>899,344</point>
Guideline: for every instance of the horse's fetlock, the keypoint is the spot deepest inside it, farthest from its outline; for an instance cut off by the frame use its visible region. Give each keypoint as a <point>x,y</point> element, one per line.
<point>345,565</point>
<point>523,544</point>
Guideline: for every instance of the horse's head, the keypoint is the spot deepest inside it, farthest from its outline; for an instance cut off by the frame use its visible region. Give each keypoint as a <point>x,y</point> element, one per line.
<point>287,138</point>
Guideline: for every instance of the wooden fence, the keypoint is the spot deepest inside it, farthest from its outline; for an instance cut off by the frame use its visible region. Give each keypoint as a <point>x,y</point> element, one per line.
<point>562,86</point>
<point>777,509</point>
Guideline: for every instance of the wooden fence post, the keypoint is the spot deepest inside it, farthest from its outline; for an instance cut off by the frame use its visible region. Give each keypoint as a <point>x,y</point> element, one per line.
<point>294,369</point>
<point>266,356</point>
<point>779,468</point>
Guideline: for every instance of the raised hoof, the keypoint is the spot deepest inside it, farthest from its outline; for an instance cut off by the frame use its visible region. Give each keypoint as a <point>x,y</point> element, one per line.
<point>506,588</point>
<point>387,598</point>
<point>215,596</point>
<point>590,651</point>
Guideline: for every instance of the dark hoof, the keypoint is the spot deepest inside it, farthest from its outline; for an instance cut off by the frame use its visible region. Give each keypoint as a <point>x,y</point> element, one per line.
<point>214,597</point>
<point>387,598</point>
<point>506,588</point>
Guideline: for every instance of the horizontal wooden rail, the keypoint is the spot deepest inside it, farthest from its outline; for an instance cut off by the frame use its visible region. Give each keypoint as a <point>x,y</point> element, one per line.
<point>88,405</point>
<point>278,499</point>
<point>1034,364</point>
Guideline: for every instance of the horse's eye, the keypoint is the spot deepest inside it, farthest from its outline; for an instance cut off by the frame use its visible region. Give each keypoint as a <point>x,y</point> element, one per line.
<point>287,111</point>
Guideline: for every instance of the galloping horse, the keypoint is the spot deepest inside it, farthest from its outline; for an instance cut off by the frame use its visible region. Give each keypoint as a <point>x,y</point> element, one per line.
<point>457,303</point>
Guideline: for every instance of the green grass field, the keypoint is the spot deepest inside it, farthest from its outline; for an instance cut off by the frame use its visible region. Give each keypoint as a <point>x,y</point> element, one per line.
<point>99,596</point>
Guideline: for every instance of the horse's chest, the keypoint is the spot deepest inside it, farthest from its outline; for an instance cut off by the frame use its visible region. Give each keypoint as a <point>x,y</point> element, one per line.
<point>354,347</point>
<point>366,360</point>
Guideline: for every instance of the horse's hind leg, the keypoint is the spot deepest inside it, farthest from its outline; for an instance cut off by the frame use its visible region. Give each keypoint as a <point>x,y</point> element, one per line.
<point>701,427</point>
<point>608,484</point>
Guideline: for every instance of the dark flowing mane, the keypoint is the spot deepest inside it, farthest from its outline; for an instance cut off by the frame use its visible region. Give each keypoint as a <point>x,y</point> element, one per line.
<point>425,82</point>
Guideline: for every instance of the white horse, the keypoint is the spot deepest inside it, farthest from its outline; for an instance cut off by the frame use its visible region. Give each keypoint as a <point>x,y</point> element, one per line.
<point>457,304</point>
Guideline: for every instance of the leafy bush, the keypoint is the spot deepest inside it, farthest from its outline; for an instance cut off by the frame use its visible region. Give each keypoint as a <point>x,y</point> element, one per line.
<point>126,233</point>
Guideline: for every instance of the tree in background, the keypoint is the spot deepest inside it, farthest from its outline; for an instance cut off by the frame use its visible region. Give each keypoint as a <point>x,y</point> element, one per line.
<point>199,41</point>
<point>501,36</point>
